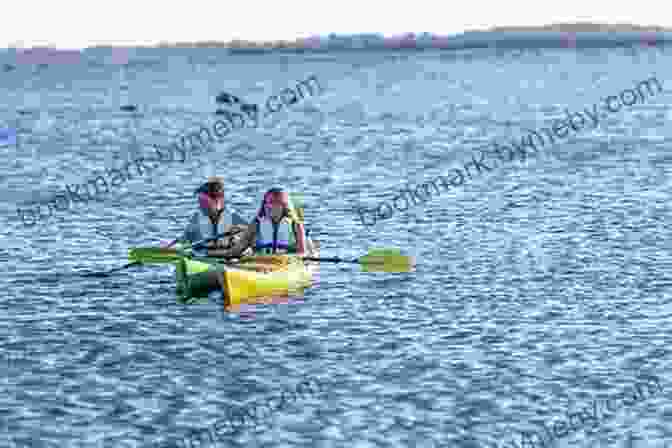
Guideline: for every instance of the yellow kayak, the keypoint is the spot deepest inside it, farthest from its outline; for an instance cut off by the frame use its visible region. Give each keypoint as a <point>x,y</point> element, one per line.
<point>254,278</point>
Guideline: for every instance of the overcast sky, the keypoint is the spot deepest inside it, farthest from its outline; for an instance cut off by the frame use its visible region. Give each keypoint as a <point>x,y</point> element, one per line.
<point>78,24</point>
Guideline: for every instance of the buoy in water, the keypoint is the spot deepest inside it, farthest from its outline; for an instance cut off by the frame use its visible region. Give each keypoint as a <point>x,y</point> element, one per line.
<point>227,98</point>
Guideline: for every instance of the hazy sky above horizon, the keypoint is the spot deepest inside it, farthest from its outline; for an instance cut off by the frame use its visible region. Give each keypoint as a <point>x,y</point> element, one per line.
<point>77,24</point>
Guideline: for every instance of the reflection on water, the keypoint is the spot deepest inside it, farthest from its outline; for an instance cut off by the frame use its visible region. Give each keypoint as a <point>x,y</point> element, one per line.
<point>538,288</point>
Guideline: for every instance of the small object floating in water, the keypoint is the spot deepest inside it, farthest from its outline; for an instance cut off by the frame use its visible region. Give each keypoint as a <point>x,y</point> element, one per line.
<point>227,98</point>
<point>129,108</point>
<point>245,108</point>
<point>248,107</point>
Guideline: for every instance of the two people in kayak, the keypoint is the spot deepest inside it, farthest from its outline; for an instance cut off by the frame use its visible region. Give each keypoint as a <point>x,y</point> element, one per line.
<point>276,229</point>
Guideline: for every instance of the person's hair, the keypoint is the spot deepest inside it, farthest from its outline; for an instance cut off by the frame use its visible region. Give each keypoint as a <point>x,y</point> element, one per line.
<point>216,185</point>
<point>278,193</point>
<point>206,194</point>
<point>208,186</point>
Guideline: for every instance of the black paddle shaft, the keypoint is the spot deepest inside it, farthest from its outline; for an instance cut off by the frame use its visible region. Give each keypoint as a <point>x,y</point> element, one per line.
<point>200,244</point>
<point>105,274</point>
<point>329,260</point>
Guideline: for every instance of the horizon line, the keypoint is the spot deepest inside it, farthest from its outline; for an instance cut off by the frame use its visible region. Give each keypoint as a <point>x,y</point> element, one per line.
<point>565,27</point>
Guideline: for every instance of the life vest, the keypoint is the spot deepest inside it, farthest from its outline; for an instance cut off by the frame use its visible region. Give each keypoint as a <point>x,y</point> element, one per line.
<point>270,239</point>
<point>202,228</point>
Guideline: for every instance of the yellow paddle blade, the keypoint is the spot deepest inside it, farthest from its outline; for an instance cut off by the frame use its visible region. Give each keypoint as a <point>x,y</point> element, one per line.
<point>386,260</point>
<point>154,255</point>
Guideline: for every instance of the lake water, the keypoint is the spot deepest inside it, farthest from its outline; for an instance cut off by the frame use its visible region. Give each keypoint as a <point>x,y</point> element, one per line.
<point>541,287</point>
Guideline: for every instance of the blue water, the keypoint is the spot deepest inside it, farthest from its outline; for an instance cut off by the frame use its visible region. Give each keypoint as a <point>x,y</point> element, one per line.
<point>540,287</point>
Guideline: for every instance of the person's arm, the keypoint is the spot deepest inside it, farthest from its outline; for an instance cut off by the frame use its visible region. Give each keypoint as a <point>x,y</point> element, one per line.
<point>300,234</point>
<point>225,242</point>
<point>192,231</point>
<point>246,241</point>
<point>310,248</point>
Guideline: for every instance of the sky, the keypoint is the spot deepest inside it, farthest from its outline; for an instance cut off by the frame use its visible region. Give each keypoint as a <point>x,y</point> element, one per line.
<point>71,24</point>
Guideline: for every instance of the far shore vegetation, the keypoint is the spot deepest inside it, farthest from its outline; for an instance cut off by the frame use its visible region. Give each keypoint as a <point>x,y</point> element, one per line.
<point>370,38</point>
<point>506,36</point>
<point>583,28</point>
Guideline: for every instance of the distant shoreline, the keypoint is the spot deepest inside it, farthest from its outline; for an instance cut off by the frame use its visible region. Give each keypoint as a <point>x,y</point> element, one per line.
<point>547,36</point>
<point>336,41</point>
<point>582,28</point>
<point>581,32</point>
<point>513,38</point>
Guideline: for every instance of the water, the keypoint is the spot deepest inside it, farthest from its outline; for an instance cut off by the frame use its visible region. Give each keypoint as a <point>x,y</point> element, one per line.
<point>541,286</point>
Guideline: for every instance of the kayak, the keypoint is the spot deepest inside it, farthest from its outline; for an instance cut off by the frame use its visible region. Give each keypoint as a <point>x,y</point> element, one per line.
<point>255,277</point>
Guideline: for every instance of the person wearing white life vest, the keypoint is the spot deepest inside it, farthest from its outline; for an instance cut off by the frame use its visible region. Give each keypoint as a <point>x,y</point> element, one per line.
<point>277,229</point>
<point>212,218</point>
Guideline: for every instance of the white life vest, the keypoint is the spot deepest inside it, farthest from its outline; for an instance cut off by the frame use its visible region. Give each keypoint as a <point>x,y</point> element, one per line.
<point>201,227</point>
<point>268,242</point>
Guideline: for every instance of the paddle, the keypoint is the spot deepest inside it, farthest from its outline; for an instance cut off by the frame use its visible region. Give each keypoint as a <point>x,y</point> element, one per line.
<point>377,260</point>
<point>106,273</point>
<point>167,255</point>
<point>160,254</point>
<point>221,235</point>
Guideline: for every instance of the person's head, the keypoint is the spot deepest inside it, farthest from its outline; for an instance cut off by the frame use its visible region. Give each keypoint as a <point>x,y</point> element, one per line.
<point>211,195</point>
<point>276,205</point>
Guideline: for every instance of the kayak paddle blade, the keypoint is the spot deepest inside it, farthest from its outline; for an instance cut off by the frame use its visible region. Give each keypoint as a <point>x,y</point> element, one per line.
<point>153,255</point>
<point>386,260</point>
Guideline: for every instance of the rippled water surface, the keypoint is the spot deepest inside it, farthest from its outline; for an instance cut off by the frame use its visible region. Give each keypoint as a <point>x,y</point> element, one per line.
<point>541,286</point>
